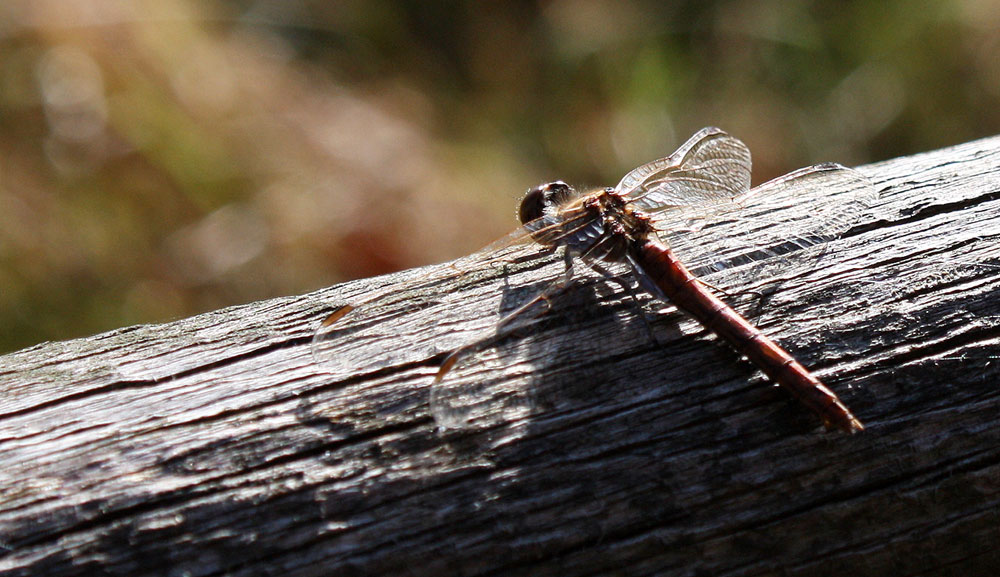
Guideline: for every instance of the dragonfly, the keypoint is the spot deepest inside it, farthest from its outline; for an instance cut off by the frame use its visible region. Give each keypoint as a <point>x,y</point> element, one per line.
<point>674,221</point>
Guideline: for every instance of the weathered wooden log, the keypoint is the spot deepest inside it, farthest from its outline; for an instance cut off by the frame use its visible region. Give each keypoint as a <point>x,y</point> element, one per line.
<point>218,444</point>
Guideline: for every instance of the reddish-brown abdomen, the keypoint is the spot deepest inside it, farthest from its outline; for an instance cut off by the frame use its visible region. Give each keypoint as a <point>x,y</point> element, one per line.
<point>685,291</point>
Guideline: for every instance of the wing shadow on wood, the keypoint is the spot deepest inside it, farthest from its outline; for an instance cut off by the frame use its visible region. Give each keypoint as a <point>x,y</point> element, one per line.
<point>588,325</point>
<point>227,451</point>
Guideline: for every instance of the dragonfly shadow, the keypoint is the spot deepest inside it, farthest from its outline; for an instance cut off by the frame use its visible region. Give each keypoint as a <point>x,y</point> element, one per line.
<point>552,358</point>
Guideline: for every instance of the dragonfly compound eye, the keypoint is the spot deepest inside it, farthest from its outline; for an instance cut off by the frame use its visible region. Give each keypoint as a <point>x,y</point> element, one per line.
<point>541,197</point>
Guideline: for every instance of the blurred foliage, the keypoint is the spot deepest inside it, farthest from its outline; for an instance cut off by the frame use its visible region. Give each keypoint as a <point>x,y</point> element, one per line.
<point>162,158</point>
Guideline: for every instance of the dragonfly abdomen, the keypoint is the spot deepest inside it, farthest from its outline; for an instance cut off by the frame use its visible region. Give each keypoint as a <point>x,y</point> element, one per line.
<point>687,293</point>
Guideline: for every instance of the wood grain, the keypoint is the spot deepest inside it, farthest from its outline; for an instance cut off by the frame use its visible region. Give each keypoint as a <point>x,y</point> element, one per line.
<point>216,445</point>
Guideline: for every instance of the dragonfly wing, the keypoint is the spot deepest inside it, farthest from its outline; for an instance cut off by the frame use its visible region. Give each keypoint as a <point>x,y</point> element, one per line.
<point>458,401</point>
<point>431,287</point>
<point>774,219</point>
<point>710,167</point>
<point>483,320</point>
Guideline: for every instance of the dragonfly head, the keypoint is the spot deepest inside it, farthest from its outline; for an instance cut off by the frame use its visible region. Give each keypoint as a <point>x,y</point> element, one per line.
<point>543,200</point>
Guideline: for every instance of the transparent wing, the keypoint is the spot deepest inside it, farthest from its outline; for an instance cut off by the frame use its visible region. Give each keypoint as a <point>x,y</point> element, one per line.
<point>703,185</point>
<point>457,402</point>
<point>774,219</point>
<point>495,325</point>
<point>711,167</point>
<point>489,382</point>
<point>355,314</point>
<point>484,308</point>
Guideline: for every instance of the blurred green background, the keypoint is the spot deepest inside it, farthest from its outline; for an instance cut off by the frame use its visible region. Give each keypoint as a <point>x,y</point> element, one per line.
<point>163,158</point>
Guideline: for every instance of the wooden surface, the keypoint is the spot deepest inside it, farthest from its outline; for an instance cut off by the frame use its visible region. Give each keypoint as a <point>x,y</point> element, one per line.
<point>215,445</point>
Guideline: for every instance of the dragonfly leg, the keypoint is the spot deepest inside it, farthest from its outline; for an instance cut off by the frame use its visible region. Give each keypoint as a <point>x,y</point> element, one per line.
<point>452,359</point>
<point>631,293</point>
<point>645,281</point>
<point>648,285</point>
<point>758,296</point>
<point>545,295</point>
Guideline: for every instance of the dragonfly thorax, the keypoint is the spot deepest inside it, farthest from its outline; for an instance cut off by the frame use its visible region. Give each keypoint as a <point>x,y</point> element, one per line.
<point>600,225</point>
<point>622,227</point>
